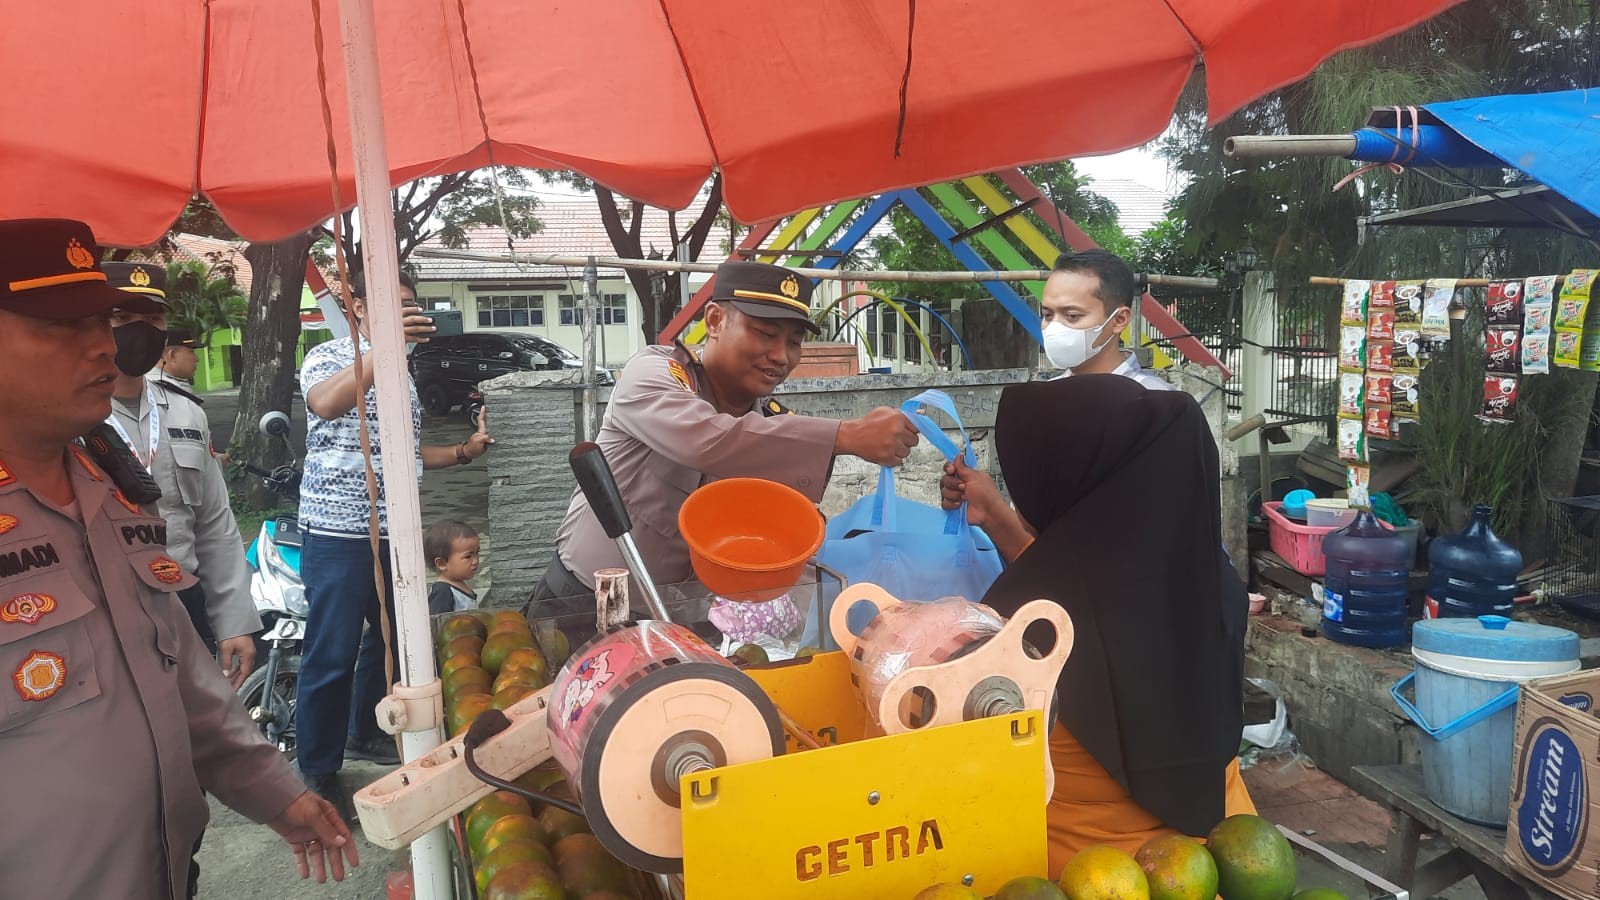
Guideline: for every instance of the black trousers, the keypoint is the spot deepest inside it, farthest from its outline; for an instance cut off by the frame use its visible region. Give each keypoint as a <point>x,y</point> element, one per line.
<point>194,603</point>
<point>559,582</point>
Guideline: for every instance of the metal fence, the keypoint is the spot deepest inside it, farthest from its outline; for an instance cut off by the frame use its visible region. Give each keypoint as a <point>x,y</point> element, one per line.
<point>1307,352</point>
<point>1215,321</point>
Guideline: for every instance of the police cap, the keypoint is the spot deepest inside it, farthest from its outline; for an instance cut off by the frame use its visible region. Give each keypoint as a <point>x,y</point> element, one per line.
<point>146,281</point>
<point>768,292</point>
<point>50,269</point>
<point>182,337</point>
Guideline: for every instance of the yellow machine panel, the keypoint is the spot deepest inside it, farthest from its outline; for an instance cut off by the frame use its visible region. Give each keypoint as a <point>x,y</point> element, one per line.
<point>879,818</point>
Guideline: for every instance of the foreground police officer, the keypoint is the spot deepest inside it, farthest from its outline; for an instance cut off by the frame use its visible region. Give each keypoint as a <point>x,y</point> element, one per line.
<point>165,424</point>
<point>678,418</point>
<point>112,717</point>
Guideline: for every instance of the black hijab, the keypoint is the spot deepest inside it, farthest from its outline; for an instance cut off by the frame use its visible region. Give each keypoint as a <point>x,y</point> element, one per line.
<point>1122,485</point>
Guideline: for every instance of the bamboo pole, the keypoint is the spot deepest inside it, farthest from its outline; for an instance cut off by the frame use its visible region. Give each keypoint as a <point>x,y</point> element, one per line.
<point>668,265</point>
<point>1460,282</point>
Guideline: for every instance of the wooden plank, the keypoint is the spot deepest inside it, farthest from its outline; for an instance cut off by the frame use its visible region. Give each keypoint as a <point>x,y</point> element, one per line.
<point>1042,247</point>
<point>1400,859</point>
<point>1400,789</point>
<point>824,230</point>
<point>1434,876</point>
<point>995,243</point>
<point>1272,568</point>
<point>791,232</point>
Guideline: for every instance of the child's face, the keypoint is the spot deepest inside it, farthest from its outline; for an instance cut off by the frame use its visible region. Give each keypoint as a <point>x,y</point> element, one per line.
<point>462,563</point>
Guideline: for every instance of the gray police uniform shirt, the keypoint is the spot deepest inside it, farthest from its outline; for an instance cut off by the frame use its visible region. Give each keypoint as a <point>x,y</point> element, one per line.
<point>113,717</point>
<point>202,534</point>
<point>663,437</point>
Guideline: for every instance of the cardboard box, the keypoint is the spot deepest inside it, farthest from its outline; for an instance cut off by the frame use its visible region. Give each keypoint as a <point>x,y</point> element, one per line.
<point>1553,835</point>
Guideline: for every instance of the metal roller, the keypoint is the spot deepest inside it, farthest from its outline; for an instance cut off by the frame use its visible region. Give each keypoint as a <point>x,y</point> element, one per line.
<point>634,710</point>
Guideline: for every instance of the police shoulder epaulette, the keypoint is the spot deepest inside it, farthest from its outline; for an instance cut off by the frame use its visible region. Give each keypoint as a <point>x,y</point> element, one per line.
<point>169,386</point>
<point>771,407</point>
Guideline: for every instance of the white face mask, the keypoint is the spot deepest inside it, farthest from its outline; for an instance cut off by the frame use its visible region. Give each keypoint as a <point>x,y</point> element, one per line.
<point>1068,348</point>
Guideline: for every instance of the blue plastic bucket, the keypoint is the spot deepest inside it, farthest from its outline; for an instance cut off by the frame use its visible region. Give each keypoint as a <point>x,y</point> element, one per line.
<point>1467,673</point>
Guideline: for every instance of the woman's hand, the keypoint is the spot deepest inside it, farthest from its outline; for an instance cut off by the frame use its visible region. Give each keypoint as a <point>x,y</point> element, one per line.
<point>964,484</point>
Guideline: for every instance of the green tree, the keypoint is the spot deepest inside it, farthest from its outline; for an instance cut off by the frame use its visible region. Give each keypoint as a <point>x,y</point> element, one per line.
<point>446,207</point>
<point>203,297</point>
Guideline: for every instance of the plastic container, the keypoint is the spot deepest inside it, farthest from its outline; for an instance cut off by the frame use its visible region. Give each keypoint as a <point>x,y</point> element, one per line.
<point>1294,503</point>
<point>1467,676</point>
<point>749,538</point>
<point>1412,531</point>
<point>1329,513</point>
<point>1473,573</point>
<point>1299,545</point>
<point>1366,586</point>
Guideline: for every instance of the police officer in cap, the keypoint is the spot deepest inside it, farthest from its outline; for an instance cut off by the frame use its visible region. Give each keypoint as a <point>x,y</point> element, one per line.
<point>113,717</point>
<point>166,425</point>
<point>680,417</point>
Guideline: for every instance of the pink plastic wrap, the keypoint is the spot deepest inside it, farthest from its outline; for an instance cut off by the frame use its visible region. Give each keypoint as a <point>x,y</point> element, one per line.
<point>908,635</point>
<point>601,672</point>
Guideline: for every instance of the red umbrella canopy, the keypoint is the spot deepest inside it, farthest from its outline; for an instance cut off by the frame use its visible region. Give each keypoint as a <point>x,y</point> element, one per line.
<point>119,112</point>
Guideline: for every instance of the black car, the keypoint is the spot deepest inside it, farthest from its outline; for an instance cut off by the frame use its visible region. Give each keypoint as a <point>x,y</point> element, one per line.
<point>447,368</point>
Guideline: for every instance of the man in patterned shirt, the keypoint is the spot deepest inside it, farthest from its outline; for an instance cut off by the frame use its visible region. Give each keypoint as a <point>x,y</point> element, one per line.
<point>342,672</point>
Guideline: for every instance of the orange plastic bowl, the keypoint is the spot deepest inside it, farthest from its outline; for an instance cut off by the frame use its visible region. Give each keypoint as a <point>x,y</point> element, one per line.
<point>749,538</point>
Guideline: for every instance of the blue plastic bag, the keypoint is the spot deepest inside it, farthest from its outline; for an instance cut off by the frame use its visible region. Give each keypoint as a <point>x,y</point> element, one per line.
<point>913,550</point>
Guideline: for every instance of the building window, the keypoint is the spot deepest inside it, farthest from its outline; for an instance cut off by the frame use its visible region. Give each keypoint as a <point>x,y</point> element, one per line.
<point>613,309</point>
<point>438,303</point>
<point>510,311</point>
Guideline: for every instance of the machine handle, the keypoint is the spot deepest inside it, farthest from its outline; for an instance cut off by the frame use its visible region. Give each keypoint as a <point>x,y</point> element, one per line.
<point>600,488</point>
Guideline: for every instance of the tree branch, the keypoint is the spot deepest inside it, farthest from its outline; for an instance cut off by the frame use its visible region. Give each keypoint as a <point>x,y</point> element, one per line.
<point>701,229</point>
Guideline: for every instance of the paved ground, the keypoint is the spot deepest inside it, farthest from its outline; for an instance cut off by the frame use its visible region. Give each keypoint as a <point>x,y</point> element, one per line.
<point>242,860</point>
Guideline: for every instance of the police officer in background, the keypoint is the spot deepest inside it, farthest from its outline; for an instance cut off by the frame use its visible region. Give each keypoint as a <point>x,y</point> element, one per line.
<point>166,426</point>
<point>113,718</point>
<point>679,418</point>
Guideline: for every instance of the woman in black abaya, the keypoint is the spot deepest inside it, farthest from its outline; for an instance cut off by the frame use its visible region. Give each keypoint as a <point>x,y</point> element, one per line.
<point>1120,485</point>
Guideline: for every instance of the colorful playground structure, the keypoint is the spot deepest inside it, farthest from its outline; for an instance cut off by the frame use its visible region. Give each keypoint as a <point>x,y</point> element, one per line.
<point>822,237</point>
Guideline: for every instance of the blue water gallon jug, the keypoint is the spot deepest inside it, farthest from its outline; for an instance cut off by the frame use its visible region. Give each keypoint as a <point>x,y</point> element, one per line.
<point>1365,589</point>
<point>1473,573</point>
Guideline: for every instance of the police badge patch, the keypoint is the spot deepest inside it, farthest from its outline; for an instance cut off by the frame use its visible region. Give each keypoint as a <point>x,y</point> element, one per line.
<point>679,374</point>
<point>40,676</point>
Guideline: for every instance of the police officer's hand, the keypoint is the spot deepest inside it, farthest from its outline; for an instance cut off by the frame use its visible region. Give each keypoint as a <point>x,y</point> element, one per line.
<point>237,656</point>
<point>963,484</point>
<point>319,838</point>
<point>416,325</point>
<point>884,436</point>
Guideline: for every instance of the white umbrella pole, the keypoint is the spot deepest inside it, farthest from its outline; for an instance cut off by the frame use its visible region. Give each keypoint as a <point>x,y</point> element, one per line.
<point>430,857</point>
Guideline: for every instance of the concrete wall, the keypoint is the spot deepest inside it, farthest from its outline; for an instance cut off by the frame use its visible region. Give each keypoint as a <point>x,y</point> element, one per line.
<point>536,416</point>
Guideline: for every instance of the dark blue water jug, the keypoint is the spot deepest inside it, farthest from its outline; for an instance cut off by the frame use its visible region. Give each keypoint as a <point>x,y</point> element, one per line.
<point>1365,590</point>
<point>1473,573</point>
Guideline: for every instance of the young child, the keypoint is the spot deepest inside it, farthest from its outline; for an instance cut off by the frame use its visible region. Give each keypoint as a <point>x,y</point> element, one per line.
<point>452,550</point>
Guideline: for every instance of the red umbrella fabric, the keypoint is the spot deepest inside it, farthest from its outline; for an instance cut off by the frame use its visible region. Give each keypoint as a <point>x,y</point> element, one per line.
<point>119,112</point>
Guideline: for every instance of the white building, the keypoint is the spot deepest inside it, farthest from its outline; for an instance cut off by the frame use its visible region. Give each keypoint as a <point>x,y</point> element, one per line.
<point>546,300</point>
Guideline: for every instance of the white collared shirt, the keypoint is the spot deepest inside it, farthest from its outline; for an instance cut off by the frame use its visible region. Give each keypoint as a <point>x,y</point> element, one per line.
<point>1130,368</point>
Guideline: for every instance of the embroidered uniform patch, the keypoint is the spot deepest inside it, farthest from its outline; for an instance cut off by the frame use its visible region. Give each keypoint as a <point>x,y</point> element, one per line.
<point>123,499</point>
<point>5,475</point>
<point>166,571</point>
<point>7,523</point>
<point>27,608</point>
<point>40,675</point>
<point>88,465</point>
<point>676,370</point>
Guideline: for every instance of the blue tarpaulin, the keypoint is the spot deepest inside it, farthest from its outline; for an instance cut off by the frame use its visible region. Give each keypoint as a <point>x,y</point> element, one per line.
<point>1554,138</point>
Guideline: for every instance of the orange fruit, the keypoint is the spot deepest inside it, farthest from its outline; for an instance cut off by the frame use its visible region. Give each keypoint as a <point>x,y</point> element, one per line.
<point>503,856</point>
<point>1178,868</point>
<point>499,646</point>
<point>1104,873</point>
<point>465,710</point>
<point>488,811</point>
<point>459,626</point>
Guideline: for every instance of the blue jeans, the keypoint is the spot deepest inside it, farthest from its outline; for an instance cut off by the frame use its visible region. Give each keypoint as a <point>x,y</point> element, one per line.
<point>341,670</point>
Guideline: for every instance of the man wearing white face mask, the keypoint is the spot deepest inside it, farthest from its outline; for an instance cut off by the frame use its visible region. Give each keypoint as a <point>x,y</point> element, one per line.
<point>1087,303</point>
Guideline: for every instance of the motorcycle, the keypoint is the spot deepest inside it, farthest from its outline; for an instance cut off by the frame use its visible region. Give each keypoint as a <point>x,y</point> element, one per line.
<point>280,599</point>
<point>473,407</point>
